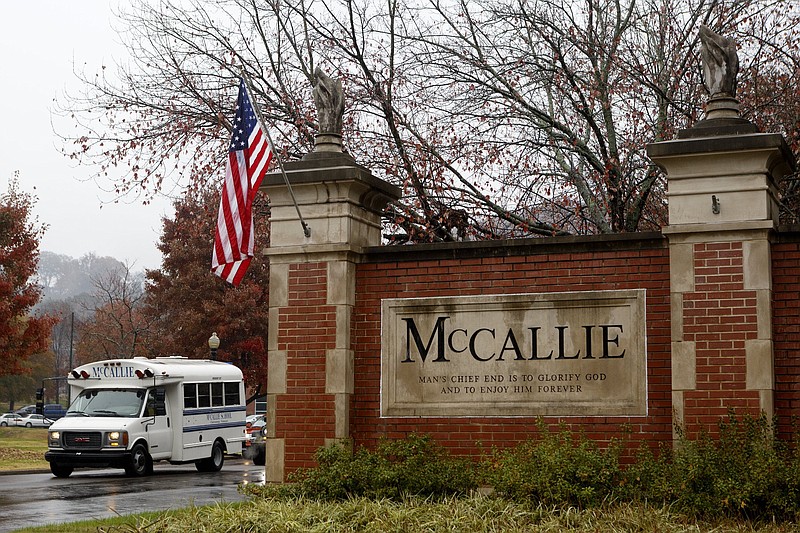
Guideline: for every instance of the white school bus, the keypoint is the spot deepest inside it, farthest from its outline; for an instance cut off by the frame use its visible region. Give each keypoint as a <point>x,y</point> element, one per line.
<point>128,413</point>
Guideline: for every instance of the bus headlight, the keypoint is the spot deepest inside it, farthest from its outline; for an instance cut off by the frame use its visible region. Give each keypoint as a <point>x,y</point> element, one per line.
<point>117,439</point>
<point>54,439</point>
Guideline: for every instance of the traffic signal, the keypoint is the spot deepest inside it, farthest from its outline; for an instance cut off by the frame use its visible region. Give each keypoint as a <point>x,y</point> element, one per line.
<point>39,401</point>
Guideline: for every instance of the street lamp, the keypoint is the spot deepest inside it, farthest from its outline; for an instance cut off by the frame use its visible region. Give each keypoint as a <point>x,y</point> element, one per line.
<point>213,344</point>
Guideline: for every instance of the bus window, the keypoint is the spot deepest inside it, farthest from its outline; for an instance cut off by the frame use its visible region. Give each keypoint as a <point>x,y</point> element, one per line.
<point>203,395</point>
<point>216,395</point>
<point>232,394</point>
<point>189,396</point>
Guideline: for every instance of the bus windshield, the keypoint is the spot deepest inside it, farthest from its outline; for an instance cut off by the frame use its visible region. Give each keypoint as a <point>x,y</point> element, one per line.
<point>108,402</point>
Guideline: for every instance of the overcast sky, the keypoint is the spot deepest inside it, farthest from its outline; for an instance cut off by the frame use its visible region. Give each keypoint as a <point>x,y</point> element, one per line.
<point>40,41</point>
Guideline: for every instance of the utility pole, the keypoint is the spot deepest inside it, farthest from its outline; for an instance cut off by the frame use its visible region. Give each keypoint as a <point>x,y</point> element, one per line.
<point>71,364</point>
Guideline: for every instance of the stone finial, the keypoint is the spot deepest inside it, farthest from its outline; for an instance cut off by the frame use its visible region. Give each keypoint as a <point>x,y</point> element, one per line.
<point>720,63</point>
<point>720,68</point>
<point>329,99</point>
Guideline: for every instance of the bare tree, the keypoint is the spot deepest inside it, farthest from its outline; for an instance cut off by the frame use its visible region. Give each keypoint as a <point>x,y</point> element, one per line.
<point>61,337</point>
<point>117,327</point>
<point>498,118</point>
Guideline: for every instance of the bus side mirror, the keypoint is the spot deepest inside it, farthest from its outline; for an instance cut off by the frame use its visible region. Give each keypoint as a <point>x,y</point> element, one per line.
<point>161,403</point>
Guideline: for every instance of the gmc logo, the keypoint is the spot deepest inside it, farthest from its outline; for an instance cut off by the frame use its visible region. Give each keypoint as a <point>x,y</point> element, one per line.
<point>81,439</point>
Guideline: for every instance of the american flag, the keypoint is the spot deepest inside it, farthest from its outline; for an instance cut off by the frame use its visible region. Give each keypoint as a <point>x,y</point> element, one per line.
<point>249,156</point>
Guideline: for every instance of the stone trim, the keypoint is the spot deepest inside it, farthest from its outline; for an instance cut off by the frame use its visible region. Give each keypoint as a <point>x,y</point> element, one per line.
<point>515,247</point>
<point>275,453</point>
<point>276,372</point>
<point>731,143</point>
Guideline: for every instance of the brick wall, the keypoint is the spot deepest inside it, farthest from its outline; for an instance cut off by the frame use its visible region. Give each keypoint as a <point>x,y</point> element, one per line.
<point>786,328</point>
<point>719,316</point>
<point>553,265</point>
<point>307,330</point>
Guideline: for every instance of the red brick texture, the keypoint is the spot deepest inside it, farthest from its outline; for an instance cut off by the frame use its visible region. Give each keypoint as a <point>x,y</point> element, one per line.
<point>719,316</point>
<point>541,268</point>
<point>786,330</point>
<point>305,414</point>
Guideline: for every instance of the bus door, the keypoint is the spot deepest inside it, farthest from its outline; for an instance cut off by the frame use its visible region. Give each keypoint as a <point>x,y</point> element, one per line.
<point>159,427</point>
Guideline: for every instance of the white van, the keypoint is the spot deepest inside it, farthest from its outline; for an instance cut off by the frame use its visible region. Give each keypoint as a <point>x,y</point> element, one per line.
<point>128,413</point>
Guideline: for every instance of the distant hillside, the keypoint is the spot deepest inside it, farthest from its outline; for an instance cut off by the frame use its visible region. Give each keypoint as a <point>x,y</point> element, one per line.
<point>65,279</point>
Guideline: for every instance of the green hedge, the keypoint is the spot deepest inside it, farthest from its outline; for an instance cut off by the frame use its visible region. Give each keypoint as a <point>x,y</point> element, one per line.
<point>558,468</point>
<point>744,473</point>
<point>412,466</point>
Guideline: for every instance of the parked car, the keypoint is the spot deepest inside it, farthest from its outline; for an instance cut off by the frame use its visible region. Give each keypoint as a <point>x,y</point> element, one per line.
<point>34,421</point>
<point>257,451</point>
<point>54,411</point>
<point>257,420</point>
<point>9,419</point>
<point>26,410</point>
<point>254,422</point>
<point>255,426</point>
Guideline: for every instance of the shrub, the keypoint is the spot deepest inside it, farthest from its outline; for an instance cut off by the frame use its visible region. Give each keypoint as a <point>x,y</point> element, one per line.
<point>412,466</point>
<point>744,473</point>
<point>419,466</point>
<point>557,469</point>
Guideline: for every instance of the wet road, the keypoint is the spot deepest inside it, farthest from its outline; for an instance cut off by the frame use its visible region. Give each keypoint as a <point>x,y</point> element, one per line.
<point>38,499</point>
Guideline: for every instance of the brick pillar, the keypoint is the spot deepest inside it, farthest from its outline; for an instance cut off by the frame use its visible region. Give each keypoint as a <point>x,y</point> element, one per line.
<point>722,212</point>
<point>312,292</point>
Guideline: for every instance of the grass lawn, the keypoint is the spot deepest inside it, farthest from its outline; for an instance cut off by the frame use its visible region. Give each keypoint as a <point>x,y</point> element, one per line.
<point>477,514</point>
<point>23,448</point>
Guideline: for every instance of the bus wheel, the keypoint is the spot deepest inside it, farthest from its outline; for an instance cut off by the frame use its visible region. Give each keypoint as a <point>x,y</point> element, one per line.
<point>60,470</point>
<point>141,463</point>
<point>213,463</point>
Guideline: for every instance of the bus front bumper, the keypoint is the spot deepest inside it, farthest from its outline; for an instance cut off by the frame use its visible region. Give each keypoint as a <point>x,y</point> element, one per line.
<point>93,458</point>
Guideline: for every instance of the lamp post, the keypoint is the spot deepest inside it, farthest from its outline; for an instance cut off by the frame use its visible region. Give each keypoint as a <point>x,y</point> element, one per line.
<point>213,344</point>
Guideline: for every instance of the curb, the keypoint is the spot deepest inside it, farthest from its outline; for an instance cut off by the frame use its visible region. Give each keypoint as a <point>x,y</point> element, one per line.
<point>25,471</point>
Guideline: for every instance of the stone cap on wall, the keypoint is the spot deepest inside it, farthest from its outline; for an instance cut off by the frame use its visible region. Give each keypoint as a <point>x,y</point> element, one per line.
<point>787,233</point>
<point>722,143</point>
<point>329,167</point>
<point>515,247</point>
<point>727,143</point>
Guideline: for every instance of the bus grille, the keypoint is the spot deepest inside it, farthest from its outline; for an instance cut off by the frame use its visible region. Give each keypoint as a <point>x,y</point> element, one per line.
<point>82,440</point>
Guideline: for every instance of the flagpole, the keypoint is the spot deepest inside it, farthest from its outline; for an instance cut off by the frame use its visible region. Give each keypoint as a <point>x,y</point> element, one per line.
<point>306,229</point>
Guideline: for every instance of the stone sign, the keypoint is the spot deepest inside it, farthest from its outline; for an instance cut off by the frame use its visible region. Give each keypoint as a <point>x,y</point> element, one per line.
<point>554,354</point>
